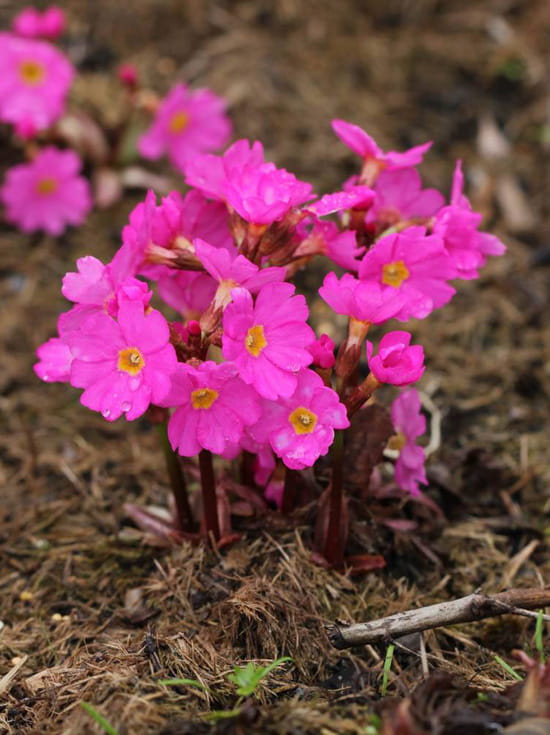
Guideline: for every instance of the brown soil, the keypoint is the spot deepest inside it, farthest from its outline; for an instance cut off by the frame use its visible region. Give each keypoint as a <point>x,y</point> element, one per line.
<point>92,613</point>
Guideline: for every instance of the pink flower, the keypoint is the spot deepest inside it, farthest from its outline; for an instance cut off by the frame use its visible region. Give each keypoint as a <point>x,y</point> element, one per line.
<point>267,340</point>
<point>188,292</point>
<point>230,271</point>
<point>260,192</point>
<point>55,360</point>
<point>213,408</point>
<point>95,284</point>
<point>324,238</point>
<point>399,197</point>
<point>31,23</point>
<point>186,123</point>
<point>123,365</point>
<point>300,428</point>
<point>47,193</point>
<point>359,197</point>
<point>361,143</point>
<point>263,194</point>
<point>210,173</point>
<point>410,424</point>
<point>162,232</point>
<point>457,224</point>
<point>322,351</point>
<point>34,80</point>
<point>414,265</point>
<point>396,362</point>
<point>365,302</point>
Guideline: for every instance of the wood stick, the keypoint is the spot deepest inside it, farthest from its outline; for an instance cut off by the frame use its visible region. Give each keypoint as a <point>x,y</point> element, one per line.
<point>464,610</point>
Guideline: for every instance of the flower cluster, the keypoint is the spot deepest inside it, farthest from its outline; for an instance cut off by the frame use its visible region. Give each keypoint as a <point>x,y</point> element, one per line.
<point>46,193</point>
<point>233,363</point>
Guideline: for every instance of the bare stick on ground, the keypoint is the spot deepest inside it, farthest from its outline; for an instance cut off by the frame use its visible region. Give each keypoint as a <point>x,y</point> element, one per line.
<point>464,610</point>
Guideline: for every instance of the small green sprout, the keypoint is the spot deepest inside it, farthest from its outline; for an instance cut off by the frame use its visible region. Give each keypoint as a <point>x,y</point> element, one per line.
<point>101,721</point>
<point>247,678</point>
<point>387,667</point>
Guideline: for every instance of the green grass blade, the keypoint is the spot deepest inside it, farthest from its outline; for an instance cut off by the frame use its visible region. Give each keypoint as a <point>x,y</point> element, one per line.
<point>101,721</point>
<point>513,673</point>
<point>539,645</point>
<point>387,667</point>
<point>183,683</point>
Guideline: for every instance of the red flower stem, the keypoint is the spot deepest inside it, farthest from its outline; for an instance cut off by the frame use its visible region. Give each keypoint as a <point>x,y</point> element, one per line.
<point>289,491</point>
<point>334,547</point>
<point>209,500</point>
<point>184,515</point>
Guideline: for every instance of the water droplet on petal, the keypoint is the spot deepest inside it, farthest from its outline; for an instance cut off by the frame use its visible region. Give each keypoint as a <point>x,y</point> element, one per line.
<point>106,413</point>
<point>126,406</point>
<point>45,378</point>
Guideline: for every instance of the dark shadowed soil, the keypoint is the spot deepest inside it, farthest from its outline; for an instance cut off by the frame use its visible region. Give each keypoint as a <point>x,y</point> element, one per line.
<point>88,610</point>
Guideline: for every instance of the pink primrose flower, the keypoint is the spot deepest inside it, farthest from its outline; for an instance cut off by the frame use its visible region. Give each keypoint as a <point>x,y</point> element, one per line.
<point>213,408</point>
<point>31,23</point>
<point>55,358</point>
<point>123,365</point>
<point>266,340</point>
<point>365,302</point>
<point>354,197</point>
<point>322,351</point>
<point>95,284</point>
<point>414,265</point>
<point>399,197</point>
<point>209,173</point>
<point>258,191</point>
<point>396,362</point>
<point>300,427</point>
<point>263,194</point>
<point>361,143</point>
<point>186,123</point>
<point>410,424</point>
<point>169,228</point>
<point>457,224</point>
<point>188,292</point>
<point>318,237</point>
<point>230,271</point>
<point>34,80</point>
<point>47,193</point>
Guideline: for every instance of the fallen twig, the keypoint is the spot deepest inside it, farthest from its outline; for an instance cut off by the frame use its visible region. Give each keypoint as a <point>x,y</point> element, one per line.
<point>464,610</point>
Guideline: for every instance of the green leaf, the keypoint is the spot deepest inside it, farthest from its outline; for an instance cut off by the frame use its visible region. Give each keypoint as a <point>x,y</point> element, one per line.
<point>101,721</point>
<point>183,683</point>
<point>247,678</point>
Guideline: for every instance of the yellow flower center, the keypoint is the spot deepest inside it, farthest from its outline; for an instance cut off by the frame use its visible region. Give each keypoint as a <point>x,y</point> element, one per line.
<point>46,186</point>
<point>31,72</point>
<point>255,340</point>
<point>203,397</point>
<point>393,274</point>
<point>397,441</point>
<point>303,421</point>
<point>178,122</point>
<point>131,361</point>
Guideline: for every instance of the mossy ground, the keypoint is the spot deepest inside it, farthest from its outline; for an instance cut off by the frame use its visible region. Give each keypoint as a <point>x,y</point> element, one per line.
<point>90,611</point>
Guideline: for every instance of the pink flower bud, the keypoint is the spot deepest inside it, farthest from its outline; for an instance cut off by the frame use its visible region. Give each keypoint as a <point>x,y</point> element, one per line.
<point>128,75</point>
<point>396,363</point>
<point>53,23</point>
<point>323,352</point>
